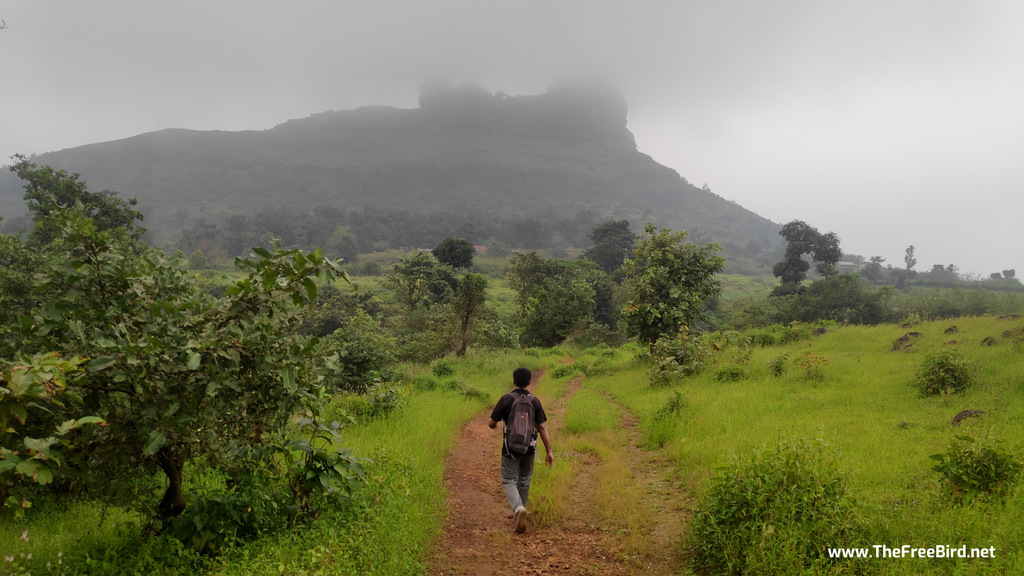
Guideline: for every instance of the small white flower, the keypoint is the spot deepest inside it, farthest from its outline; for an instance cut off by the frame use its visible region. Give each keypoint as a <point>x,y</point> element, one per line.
<point>29,557</point>
<point>9,558</point>
<point>24,536</point>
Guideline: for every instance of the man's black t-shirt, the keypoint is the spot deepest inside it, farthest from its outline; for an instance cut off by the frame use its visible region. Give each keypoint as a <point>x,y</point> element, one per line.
<point>504,406</point>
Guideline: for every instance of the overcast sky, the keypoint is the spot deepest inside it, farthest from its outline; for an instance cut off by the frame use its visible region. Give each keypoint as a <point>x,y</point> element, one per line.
<point>889,123</point>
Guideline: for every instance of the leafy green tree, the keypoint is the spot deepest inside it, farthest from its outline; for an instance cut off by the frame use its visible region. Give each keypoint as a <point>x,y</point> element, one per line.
<point>175,373</point>
<point>455,252</point>
<point>1008,274</point>
<point>667,281</point>
<point>844,298</point>
<point>804,239</point>
<point>561,307</point>
<point>554,301</point>
<point>613,243</point>
<point>47,190</point>
<point>469,306</point>
<point>419,280</point>
<point>362,351</point>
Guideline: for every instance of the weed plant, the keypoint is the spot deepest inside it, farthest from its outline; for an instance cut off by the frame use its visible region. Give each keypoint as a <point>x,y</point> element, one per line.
<point>944,371</point>
<point>774,512</point>
<point>662,425</point>
<point>970,468</point>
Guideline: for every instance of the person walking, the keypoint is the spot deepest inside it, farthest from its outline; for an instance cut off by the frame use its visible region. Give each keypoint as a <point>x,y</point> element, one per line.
<point>523,418</point>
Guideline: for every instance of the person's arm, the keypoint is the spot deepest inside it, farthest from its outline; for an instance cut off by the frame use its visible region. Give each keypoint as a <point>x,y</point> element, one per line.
<point>498,414</point>
<point>550,458</point>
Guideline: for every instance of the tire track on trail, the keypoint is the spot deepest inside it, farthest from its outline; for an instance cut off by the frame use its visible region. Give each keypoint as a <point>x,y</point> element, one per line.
<point>477,538</point>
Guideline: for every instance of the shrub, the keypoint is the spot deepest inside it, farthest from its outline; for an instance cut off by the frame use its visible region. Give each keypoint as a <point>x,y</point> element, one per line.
<point>970,468</point>
<point>777,367</point>
<point>210,523</point>
<point>598,334</point>
<point>443,367</point>
<point>363,352</point>
<point>774,513</point>
<point>813,366</point>
<point>677,357</point>
<point>423,383</point>
<point>662,427</point>
<point>384,398</point>
<point>459,386</point>
<point>574,369</point>
<point>944,370</point>
<point>731,374</point>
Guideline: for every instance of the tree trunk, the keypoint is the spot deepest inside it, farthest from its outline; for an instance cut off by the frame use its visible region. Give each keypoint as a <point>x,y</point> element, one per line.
<point>463,337</point>
<point>171,504</point>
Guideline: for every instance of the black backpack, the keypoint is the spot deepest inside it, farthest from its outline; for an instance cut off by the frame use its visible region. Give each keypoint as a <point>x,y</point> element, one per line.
<point>521,424</point>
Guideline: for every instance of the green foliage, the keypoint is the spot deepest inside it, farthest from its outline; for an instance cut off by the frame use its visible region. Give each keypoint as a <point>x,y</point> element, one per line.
<point>554,299</point>
<point>455,252</point>
<point>596,334</point>
<point>945,371</point>
<point>969,468</point>
<point>777,334</point>
<point>423,383</point>
<point>48,192</point>
<point>678,357</point>
<point>774,512</point>
<point>198,261</point>
<point>613,243</point>
<point>777,366</point>
<point>469,306</point>
<point>419,280</point>
<point>219,519</point>
<point>661,428</point>
<point>443,367</point>
<point>175,373</point>
<point>804,239</point>
<point>813,366</point>
<point>361,352</point>
<point>577,368</point>
<point>843,298</point>
<point>319,472</point>
<point>667,282</point>
<point>731,373</point>
<point>456,385</point>
<point>30,452</point>
<point>383,398</point>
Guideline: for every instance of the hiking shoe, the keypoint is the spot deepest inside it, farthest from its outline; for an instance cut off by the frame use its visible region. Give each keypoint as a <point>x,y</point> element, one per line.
<point>520,520</point>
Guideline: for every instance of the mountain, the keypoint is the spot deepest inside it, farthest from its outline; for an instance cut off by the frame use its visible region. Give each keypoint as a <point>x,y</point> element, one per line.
<point>464,150</point>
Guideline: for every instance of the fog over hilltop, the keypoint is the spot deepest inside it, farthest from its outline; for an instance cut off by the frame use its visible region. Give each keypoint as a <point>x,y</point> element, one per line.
<point>890,123</point>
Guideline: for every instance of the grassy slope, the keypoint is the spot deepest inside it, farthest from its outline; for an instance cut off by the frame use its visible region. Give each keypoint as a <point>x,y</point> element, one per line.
<point>865,407</point>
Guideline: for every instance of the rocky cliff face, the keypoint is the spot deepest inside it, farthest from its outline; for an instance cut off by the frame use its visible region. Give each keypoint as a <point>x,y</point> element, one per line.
<point>462,149</point>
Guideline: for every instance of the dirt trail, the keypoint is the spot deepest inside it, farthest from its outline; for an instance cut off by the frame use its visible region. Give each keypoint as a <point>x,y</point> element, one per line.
<point>478,539</point>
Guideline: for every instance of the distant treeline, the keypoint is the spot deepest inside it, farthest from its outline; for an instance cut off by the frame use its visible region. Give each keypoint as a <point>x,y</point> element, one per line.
<point>346,233</point>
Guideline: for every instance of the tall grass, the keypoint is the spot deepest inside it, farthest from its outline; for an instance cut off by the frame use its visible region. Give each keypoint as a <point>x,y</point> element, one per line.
<point>867,407</point>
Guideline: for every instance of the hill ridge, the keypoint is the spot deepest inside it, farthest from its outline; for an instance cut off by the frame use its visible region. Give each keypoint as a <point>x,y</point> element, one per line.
<point>463,149</point>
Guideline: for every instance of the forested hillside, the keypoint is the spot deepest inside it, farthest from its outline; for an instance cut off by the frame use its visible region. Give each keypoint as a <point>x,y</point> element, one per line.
<point>528,171</point>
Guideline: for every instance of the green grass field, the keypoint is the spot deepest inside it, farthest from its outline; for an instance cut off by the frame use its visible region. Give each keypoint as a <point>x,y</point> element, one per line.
<point>858,398</point>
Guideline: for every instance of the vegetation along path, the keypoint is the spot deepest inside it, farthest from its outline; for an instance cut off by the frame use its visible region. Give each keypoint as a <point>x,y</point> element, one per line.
<point>606,507</point>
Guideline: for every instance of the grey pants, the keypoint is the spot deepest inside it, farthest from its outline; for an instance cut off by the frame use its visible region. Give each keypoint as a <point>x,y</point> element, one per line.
<point>515,476</point>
